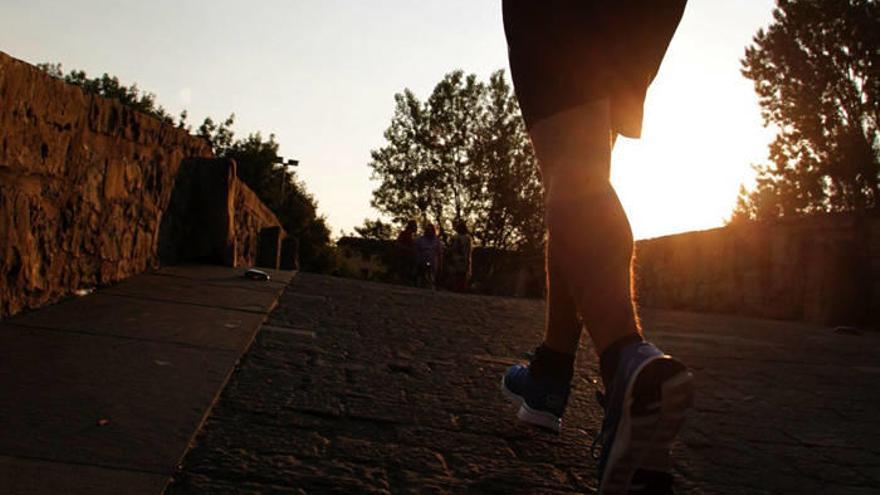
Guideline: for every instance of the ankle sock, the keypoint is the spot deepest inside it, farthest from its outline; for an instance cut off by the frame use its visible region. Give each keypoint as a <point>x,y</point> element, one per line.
<point>552,365</point>
<point>610,357</point>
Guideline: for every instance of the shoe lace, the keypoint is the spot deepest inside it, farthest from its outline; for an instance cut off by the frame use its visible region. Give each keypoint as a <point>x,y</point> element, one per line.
<point>599,439</point>
<point>530,355</point>
<point>595,446</point>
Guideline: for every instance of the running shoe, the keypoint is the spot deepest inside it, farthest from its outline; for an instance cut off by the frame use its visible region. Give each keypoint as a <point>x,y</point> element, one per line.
<point>541,402</point>
<point>644,410</point>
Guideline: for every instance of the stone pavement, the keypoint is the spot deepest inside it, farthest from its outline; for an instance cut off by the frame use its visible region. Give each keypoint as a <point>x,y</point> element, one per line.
<point>103,393</point>
<point>355,387</point>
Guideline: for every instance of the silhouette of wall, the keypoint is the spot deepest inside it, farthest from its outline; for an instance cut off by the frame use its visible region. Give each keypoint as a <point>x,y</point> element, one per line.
<point>84,183</point>
<point>493,271</point>
<point>198,224</point>
<point>213,217</point>
<point>823,269</point>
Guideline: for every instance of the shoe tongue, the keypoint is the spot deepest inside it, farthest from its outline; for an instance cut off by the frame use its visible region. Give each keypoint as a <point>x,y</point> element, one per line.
<point>555,367</point>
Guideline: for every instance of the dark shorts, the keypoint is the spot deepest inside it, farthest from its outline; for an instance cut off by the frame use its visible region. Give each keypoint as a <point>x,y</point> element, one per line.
<point>564,53</point>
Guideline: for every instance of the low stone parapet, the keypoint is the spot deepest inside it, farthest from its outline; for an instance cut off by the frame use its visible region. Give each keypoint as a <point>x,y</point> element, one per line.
<point>92,192</point>
<point>83,184</point>
<point>820,269</point>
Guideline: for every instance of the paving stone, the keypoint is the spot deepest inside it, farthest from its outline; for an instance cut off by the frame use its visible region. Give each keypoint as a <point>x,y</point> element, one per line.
<point>104,401</point>
<point>103,314</point>
<point>236,296</point>
<point>103,393</point>
<point>35,477</point>
<point>390,389</point>
<point>222,275</point>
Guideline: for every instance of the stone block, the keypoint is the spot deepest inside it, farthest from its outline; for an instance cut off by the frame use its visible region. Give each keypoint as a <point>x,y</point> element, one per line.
<point>198,224</point>
<point>250,216</point>
<point>269,247</point>
<point>290,253</point>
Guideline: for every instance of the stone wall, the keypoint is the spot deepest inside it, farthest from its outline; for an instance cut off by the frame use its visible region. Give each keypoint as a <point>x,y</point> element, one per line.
<point>215,218</point>
<point>251,218</point>
<point>85,183</point>
<point>824,269</point>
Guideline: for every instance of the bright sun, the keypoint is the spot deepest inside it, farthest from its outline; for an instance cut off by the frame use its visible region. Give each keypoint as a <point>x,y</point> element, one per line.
<point>702,130</point>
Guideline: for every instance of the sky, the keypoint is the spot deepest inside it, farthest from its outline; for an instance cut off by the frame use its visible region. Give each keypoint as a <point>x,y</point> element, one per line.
<point>321,75</point>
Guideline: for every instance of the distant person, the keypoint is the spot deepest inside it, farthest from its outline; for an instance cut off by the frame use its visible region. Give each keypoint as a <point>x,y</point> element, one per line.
<point>429,256</point>
<point>458,258</point>
<point>580,70</point>
<point>405,253</point>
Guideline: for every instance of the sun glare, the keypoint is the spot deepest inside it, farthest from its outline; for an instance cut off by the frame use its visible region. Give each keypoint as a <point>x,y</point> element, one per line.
<point>702,130</point>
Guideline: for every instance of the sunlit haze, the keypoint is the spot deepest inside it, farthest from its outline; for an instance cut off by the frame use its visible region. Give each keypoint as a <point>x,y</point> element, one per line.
<point>321,75</point>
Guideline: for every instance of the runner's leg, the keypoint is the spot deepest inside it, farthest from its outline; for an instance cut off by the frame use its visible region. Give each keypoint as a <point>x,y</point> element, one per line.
<point>589,252</point>
<point>563,327</point>
<point>590,243</point>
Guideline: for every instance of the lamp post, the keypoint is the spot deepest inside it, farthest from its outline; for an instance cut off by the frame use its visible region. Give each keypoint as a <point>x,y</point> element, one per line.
<point>290,162</point>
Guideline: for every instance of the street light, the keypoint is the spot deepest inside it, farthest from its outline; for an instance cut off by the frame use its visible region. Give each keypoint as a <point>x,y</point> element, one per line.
<point>290,162</point>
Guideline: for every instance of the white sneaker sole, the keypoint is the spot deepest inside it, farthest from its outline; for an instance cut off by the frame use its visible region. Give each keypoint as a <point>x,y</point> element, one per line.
<point>526,414</point>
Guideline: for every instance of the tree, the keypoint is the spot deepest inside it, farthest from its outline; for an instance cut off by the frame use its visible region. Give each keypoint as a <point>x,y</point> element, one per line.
<point>464,153</point>
<point>412,183</point>
<point>815,70</point>
<point>455,114</point>
<point>513,212</point>
<point>375,229</point>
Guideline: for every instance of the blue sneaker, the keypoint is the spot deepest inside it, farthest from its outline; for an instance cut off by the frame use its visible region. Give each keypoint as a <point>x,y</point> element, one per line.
<point>644,410</point>
<point>540,402</point>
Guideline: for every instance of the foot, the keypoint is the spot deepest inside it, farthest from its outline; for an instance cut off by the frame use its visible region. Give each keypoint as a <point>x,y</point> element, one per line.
<point>541,402</point>
<point>644,410</point>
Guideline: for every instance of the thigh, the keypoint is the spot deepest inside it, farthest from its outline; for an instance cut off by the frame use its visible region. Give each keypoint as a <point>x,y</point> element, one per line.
<point>556,50</point>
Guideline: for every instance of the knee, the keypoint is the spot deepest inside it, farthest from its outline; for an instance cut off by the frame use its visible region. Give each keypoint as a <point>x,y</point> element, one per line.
<point>576,199</point>
<point>576,182</point>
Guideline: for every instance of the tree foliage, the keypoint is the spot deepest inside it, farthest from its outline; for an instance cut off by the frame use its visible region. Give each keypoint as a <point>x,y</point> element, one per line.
<point>815,70</point>
<point>375,229</point>
<point>463,153</point>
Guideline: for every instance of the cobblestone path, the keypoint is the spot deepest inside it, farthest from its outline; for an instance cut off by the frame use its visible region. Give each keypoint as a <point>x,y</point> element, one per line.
<point>354,387</point>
